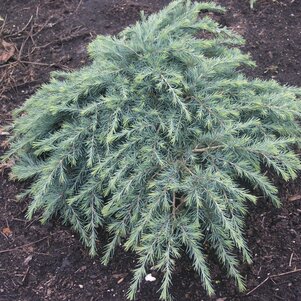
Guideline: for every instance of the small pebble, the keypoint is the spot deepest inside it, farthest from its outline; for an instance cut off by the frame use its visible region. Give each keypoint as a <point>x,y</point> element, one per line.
<point>150,278</point>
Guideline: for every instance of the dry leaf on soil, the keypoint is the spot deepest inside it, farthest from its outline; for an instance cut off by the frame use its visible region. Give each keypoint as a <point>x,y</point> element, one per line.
<point>7,231</point>
<point>7,50</point>
<point>295,197</point>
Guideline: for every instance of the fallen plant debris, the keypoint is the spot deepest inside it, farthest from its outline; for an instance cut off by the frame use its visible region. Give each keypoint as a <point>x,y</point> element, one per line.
<point>295,197</point>
<point>271,277</point>
<point>26,47</point>
<point>28,259</point>
<point>23,246</point>
<point>7,51</point>
<point>7,232</point>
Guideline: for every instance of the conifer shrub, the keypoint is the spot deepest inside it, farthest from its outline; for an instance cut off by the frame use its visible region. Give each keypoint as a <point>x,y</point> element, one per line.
<point>162,141</point>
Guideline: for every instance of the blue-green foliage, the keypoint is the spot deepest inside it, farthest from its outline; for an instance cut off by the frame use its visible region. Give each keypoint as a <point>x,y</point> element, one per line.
<point>161,140</point>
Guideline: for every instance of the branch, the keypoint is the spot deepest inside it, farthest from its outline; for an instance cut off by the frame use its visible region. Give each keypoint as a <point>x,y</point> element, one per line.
<point>174,205</point>
<point>26,245</point>
<point>270,277</point>
<point>204,149</point>
<point>182,202</point>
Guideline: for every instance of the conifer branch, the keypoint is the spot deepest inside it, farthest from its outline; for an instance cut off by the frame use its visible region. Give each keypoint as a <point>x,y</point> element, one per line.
<point>205,149</point>
<point>174,208</point>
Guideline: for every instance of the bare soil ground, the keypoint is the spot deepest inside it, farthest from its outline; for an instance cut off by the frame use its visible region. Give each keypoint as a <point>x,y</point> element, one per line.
<point>47,262</point>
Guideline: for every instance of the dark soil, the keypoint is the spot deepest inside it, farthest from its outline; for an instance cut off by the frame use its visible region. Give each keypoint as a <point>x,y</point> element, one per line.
<point>47,262</point>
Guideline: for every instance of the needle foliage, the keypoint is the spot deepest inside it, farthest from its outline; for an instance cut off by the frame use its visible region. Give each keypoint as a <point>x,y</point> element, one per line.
<point>162,141</point>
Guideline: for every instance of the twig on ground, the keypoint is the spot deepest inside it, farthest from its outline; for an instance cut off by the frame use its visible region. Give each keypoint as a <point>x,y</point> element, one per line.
<point>68,37</point>
<point>21,85</point>
<point>21,30</point>
<point>44,254</point>
<point>25,275</point>
<point>291,258</point>
<point>21,49</point>
<point>79,4</point>
<point>36,63</point>
<point>23,246</point>
<point>47,24</point>
<point>271,277</point>
<point>8,64</point>
<point>32,221</point>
